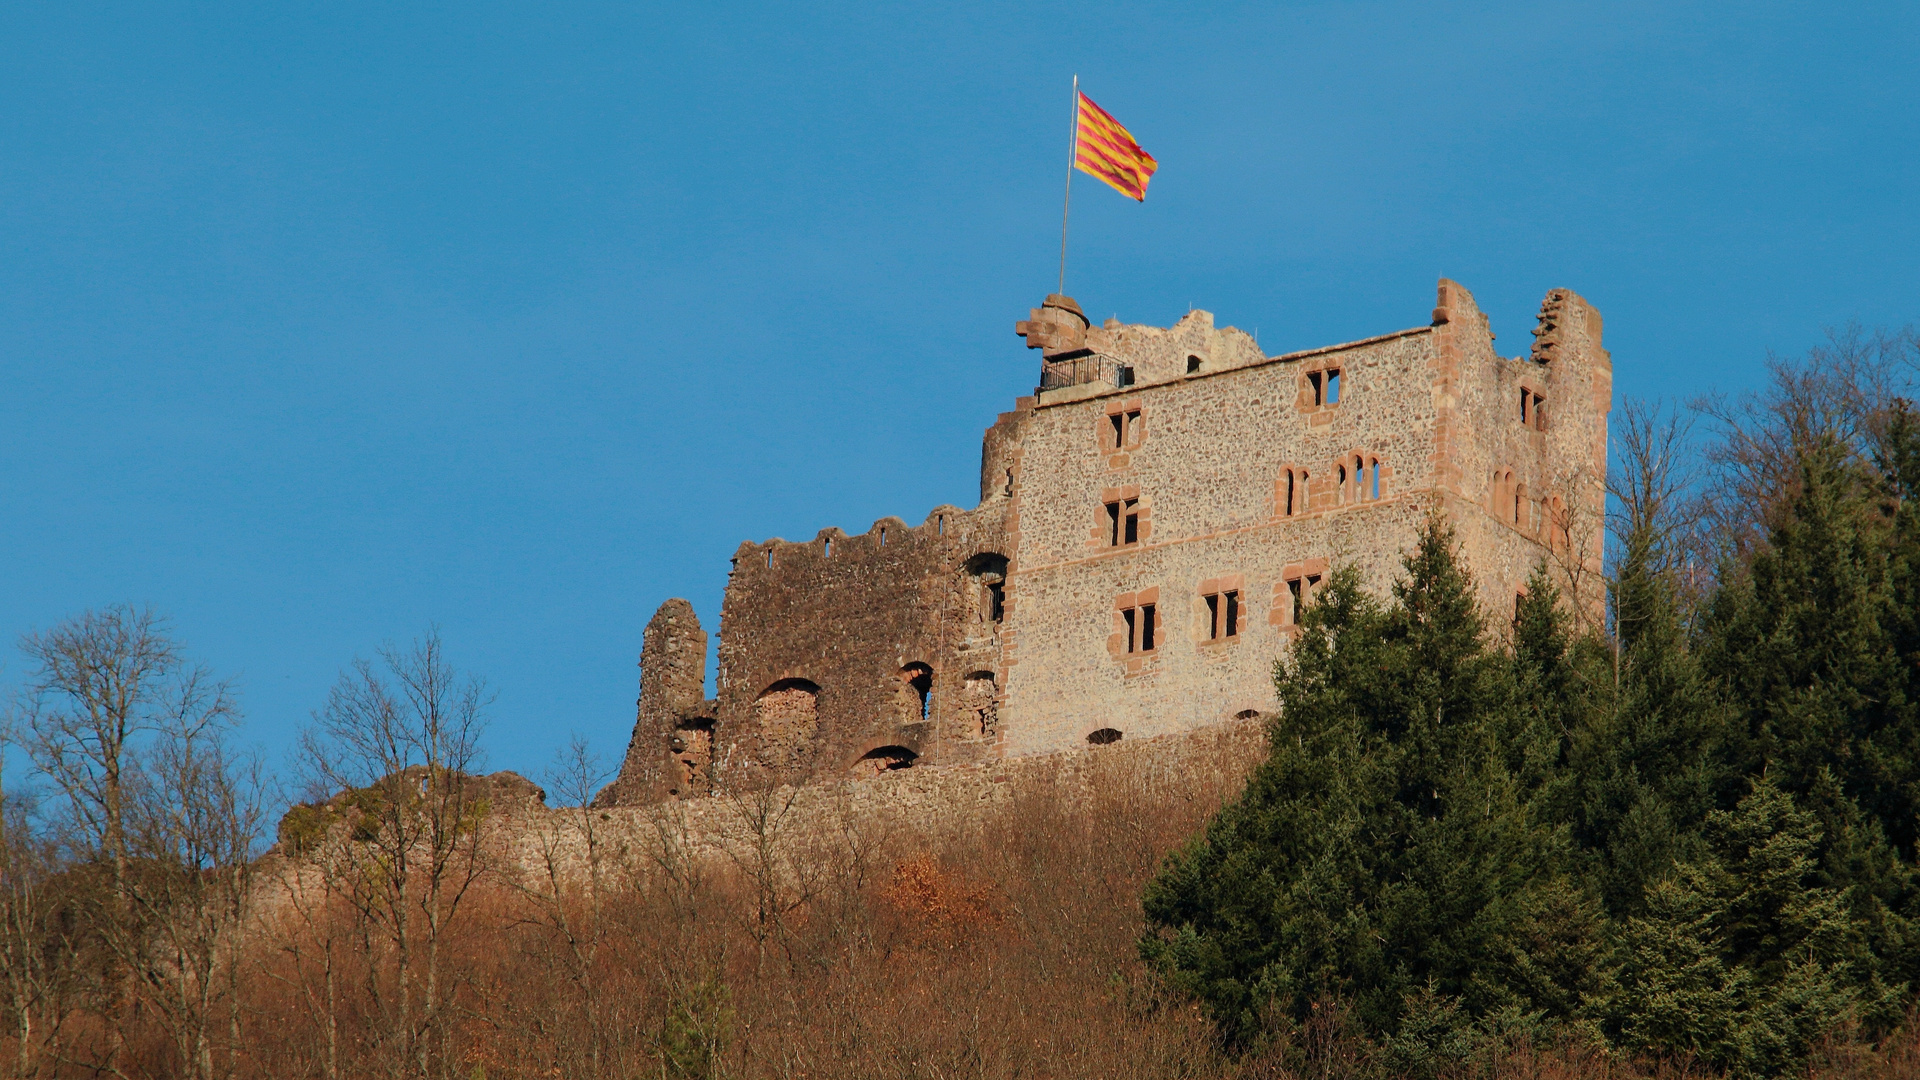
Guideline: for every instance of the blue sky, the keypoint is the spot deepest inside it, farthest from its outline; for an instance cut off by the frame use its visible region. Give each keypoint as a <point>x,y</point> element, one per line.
<point>320,323</point>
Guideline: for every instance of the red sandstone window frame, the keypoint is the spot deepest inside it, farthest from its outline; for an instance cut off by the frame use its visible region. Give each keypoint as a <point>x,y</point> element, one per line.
<point>1223,614</point>
<point>1290,492</point>
<point>1137,629</point>
<point>1322,388</point>
<point>1298,584</point>
<point>1533,409</point>
<point>1123,427</point>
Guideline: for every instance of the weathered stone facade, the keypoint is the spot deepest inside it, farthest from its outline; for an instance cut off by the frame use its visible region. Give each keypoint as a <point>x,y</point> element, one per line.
<point>1149,523</point>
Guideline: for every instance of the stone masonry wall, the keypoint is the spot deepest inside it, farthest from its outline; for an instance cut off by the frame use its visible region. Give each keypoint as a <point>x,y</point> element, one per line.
<point>891,631</point>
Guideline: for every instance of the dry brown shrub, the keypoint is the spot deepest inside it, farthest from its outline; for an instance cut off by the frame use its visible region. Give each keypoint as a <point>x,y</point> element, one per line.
<point>937,903</point>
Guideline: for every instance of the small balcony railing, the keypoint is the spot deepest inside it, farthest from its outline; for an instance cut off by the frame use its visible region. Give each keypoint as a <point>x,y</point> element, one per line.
<point>1079,370</point>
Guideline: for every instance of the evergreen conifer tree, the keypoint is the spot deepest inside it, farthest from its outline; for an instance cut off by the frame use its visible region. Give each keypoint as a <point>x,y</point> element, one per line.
<point>1387,850</point>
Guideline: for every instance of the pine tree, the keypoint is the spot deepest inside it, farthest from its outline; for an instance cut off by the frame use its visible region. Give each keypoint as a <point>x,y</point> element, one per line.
<point>1387,848</point>
<point>1742,958</point>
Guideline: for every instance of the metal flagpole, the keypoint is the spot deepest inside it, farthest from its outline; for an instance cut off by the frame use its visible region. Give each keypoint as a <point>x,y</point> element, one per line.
<point>1073,148</point>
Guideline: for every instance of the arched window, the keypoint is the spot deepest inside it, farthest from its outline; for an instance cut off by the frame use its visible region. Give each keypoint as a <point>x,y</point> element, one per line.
<point>1375,468</point>
<point>884,759</point>
<point>788,719</point>
<point>987,577</point>
<point>1104,737</point>
<point>980,710</point>
<point>1289,502</point>
<point>917,678</point>
<point>1340,485</point>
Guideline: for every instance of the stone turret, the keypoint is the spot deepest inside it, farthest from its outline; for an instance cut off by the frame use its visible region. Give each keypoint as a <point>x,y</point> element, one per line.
<point>1058,328</point>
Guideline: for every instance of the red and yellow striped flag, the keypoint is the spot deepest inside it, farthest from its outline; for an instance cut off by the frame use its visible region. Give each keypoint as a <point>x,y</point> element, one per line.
<point>1104,149</point>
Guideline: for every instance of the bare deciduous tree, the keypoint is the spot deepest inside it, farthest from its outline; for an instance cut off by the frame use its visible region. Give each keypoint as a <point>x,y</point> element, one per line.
<point>401,739</point>
<point>1841,392</point>
<point>129,733</point>
<point>36,951</point>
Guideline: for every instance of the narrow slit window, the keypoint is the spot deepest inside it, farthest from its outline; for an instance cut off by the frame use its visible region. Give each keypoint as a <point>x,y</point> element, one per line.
<point>1146,627</point>
<point>769,558</point>
<point>1360,479</point>
<point>1526,414</point>
<point>996,600</point>
<point>1293,601</point>
<point>1289,492</point>
<point>940,524</point>
<point>1340,485</point>
<point>1131,616</point>
<point>1232,613</point>
<point>1375,468</point>
<point>829,549</point>
<point>1213,615</point>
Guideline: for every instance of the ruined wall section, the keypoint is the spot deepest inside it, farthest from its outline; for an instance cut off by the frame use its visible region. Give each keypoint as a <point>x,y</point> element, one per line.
<point>1527,479</point>
<point>671,752</point>
<point>855,655</point>
<point>1192,346</point>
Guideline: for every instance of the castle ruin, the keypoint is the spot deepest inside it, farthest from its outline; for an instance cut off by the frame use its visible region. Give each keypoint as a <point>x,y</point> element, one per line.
<point>1151,522</point>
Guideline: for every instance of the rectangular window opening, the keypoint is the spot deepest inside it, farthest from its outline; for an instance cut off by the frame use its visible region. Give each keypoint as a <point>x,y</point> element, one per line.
<point>1232,613</point>
<point>1134,431</point>
<point>1130,616</point>
<point>1116,421</point>
<point>1146,627</point>
<point>1293,601</point>
<point>1313,380</point>
<point>1289,492</point>
<point>1539,412</point>
<point>1333,386</point>
<point>1113,524</point>
<point>1526,415</point>
<point>1213,615</point>
<point>1133,521</point>
<point>1376,478</point>
<point>996,601</point>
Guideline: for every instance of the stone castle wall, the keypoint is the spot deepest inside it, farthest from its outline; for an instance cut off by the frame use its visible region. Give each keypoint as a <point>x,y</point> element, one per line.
<point>1173,469</point>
